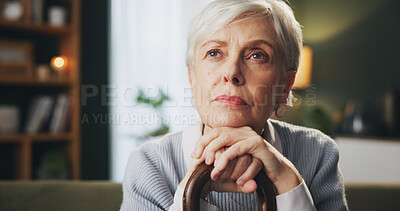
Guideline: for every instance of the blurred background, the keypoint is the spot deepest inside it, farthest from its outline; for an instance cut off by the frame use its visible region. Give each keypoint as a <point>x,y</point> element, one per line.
<point>82,83</point>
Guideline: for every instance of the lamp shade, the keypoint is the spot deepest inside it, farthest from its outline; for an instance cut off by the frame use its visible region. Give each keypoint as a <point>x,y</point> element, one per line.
<point>303,75</point>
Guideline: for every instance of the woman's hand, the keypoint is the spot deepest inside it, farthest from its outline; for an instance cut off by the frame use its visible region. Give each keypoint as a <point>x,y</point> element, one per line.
<point>242,141</point>
<point>238,174</point>
<point>237,169</point>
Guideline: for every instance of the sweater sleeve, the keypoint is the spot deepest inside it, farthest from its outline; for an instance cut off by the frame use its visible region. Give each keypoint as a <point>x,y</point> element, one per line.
<point>327,186</point>
<point>177,206</point>
<point>144,187</point>
<point>316,157</point>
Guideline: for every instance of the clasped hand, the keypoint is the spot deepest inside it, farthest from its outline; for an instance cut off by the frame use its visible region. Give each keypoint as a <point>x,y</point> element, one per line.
<point>238,154</point>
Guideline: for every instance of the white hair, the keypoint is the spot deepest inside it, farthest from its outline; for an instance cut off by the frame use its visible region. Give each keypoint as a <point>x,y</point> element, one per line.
<point>220,13</point>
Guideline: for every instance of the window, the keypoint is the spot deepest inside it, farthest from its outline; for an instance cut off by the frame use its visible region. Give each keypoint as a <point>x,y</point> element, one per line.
<point>148,46</point>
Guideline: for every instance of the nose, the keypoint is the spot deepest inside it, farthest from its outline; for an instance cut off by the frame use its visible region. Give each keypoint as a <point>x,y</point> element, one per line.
<point>233,73</point>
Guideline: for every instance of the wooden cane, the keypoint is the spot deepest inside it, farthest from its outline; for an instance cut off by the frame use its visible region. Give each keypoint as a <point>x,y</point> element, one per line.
<point>266,191</point>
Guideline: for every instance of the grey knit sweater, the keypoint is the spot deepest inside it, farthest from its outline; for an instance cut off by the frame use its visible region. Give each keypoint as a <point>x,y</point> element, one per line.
<point>155,169</point>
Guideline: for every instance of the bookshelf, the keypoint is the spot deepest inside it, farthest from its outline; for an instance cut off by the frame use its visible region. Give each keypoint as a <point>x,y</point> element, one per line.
<point>37,28</point>
<point>20,152</point>
<point>35,82</point>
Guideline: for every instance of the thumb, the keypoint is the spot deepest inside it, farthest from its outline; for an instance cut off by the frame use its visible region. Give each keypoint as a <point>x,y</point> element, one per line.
<point>194,163</point>
<point>231,186</point>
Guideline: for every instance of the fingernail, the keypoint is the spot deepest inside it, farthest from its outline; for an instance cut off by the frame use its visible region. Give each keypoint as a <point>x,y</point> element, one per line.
<point>240,182</point>
<point>208,160</point>
<point>212,176</point>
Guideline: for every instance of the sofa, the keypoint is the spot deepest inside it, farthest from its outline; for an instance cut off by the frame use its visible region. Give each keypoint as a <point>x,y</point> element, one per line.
<point>105,195</point>
<point>60,196</point>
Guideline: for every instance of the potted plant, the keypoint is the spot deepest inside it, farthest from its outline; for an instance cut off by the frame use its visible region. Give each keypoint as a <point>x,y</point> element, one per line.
<point>53,165</point>
<point>156,104</point>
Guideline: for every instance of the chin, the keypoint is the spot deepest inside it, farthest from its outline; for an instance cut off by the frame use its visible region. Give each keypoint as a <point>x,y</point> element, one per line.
<point>225,119</point>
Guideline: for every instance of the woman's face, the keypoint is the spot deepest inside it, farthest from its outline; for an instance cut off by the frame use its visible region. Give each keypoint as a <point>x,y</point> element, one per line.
<point>237,75</point>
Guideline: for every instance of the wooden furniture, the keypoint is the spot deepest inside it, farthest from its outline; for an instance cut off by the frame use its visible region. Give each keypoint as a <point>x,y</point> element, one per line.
<point>20,153</point>
<point>201,176</point>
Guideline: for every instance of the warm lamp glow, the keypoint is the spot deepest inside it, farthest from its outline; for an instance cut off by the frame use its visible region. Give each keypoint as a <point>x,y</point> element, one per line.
<point>303,75</point>
<point>59,63</point>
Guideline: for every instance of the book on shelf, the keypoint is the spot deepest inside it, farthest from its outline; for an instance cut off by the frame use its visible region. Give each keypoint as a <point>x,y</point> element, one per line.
<point>37,11</point>
<point>60,114</point>
<point>48,114</point>
<point>38,114</point>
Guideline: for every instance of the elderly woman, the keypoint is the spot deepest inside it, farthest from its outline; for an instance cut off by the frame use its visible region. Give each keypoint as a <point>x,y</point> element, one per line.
<point>242,58</point>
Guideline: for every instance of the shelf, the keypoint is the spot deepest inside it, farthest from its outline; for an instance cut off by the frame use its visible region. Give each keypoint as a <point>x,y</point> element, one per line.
<point>36,137</point>
<point>367,138</point>
<point>38,28</point>
<point>28,81</point>
<point>20,85</point>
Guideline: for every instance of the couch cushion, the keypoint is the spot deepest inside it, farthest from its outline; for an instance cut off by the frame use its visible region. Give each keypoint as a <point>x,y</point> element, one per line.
<point>107,196</point>
<point>373,196</point>
<point>60,195</point>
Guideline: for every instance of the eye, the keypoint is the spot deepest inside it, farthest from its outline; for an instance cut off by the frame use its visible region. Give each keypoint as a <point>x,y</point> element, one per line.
<point>258,56</point>
<point>213,53</point>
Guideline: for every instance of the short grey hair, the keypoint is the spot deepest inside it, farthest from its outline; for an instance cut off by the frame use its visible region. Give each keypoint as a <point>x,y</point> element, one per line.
<point>220,13</point>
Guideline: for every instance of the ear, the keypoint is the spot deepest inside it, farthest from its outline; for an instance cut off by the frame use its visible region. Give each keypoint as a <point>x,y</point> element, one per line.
<point>288,81</point>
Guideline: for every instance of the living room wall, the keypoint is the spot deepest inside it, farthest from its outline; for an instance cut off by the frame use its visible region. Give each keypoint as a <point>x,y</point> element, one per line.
<point>355,46</point>
<point>94,59</point>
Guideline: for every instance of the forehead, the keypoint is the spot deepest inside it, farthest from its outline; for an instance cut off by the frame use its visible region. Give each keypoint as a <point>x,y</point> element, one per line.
<point>243,31</point>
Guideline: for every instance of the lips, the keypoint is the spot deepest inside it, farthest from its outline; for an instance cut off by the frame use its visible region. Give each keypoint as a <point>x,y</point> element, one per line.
<point>231,100</point>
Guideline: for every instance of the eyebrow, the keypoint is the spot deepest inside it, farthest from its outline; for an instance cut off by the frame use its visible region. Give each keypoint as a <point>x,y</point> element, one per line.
<point>219,42</point>
<point>254,43</point>
<point>251,43</point>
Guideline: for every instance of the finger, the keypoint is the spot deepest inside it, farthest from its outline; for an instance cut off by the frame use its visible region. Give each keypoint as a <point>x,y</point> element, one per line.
<point>228,137</point>
<point>231,186</point>
<point>212,148</point>
<point>249,187</point>
<point>240,134</point>
<point>225,175</point>
<point>217,154</point>
<point>255,166</point>
<point>251,147</point>
<point>242,163</point>
<point>204,141</point>
<point>194,163</point>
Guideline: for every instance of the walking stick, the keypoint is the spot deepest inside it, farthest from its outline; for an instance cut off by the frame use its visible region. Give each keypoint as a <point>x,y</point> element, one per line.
<point>191,197</point>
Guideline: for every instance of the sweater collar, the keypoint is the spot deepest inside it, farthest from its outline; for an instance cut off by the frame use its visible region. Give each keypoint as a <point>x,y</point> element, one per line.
<point>193,132</point>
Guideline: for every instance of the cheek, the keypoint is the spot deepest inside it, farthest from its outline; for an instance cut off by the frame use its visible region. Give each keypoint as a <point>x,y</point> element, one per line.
<point>263,96</point>
<point>264,91</point>
<point>206,78</point>
<point>201,89</point>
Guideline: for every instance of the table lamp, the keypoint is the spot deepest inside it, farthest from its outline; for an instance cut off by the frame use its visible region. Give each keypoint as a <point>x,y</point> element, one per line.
<point>303,75</point>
